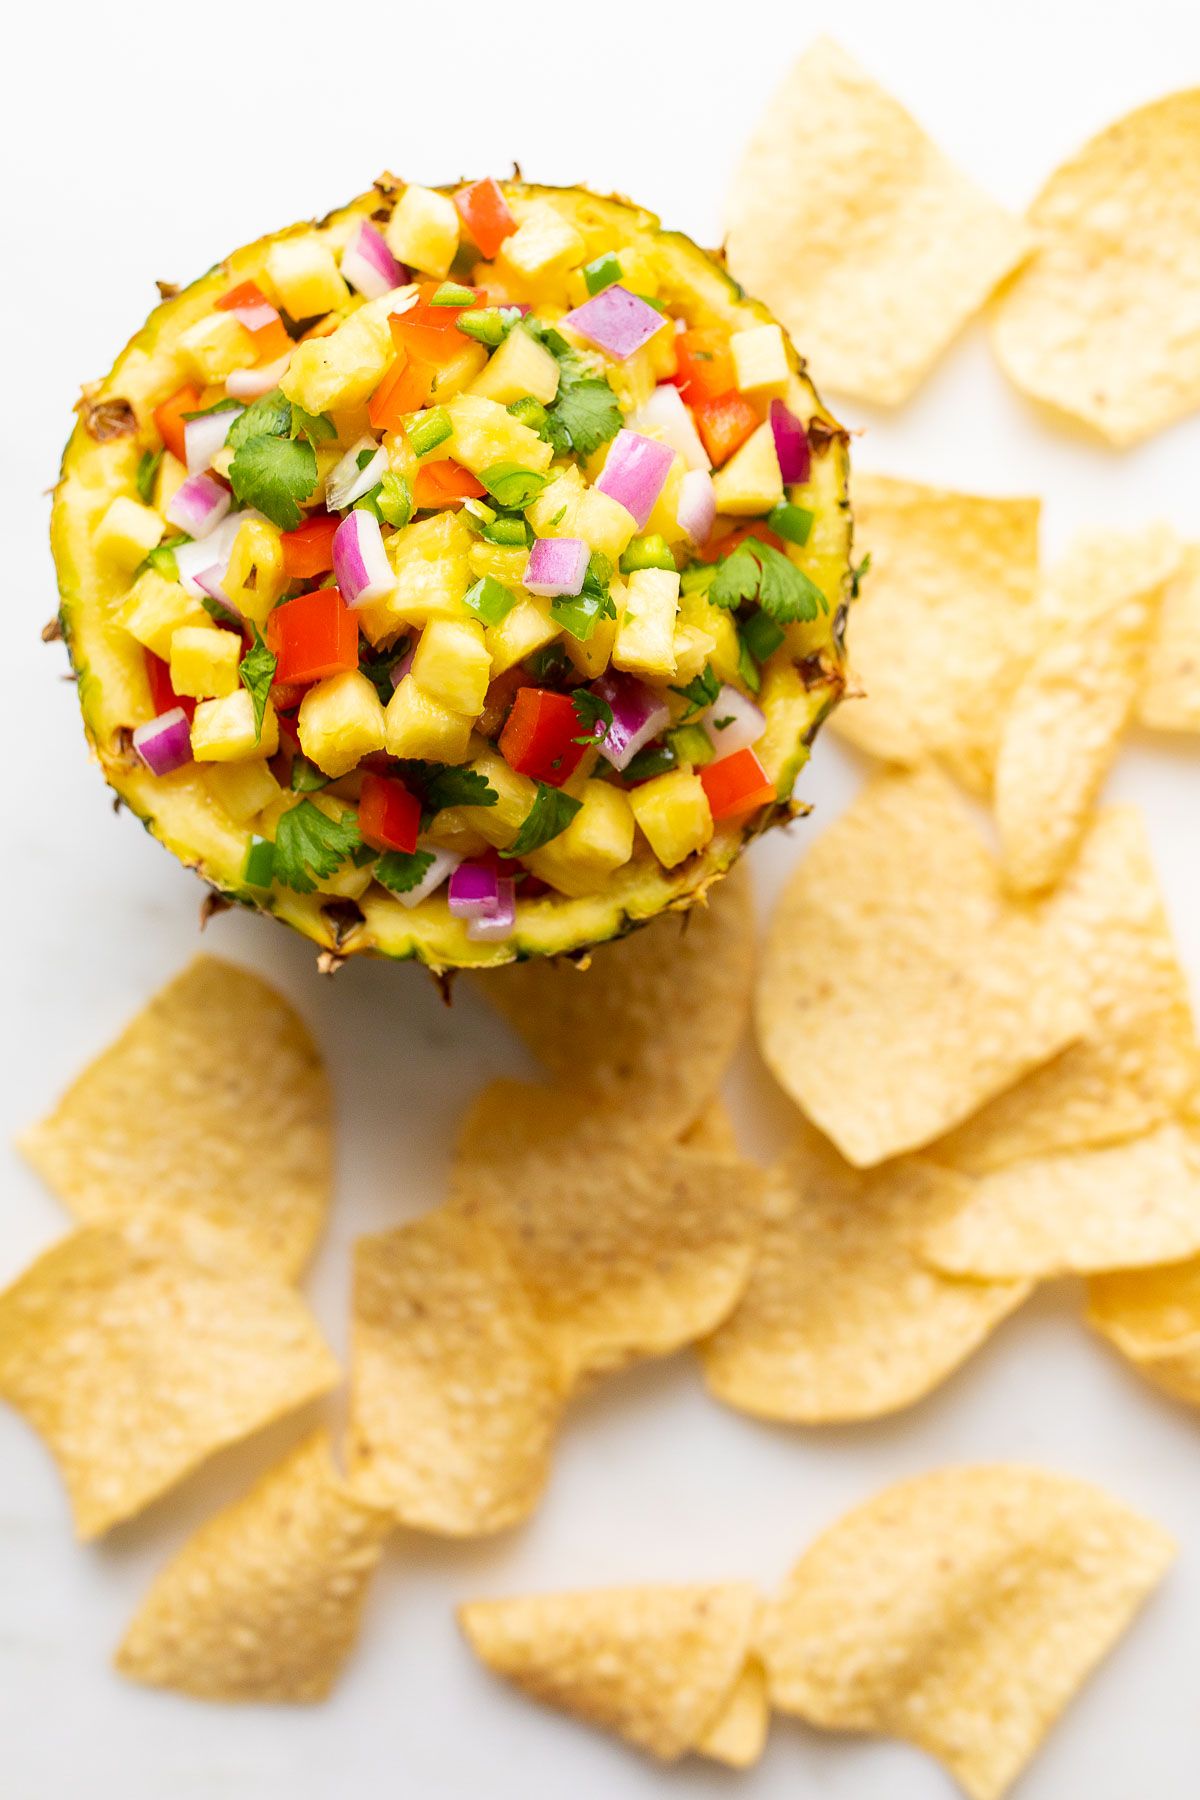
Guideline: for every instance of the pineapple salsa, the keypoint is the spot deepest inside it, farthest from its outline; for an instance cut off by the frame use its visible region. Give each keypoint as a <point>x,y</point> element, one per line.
<point>461,578</point>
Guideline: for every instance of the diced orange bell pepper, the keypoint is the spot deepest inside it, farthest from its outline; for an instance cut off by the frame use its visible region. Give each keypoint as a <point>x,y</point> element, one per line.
<point>736,785</point>
<point>538,739</point>
<point>704,365</point>
<point>169,420</point>
<point>270,338</point>
<point>444,483</point>
<point>308,550</point>
<point>430,333</point>
<point>389,817</point>
<point>406,386</point>
<point>724,424</point>
<point>484,211</point>
<point>313,636</point>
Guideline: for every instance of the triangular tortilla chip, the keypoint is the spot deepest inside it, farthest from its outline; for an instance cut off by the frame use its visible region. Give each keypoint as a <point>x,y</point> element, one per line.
<point>1170,696</point>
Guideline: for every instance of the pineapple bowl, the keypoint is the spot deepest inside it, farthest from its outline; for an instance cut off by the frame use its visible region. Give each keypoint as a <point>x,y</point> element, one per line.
<point>462,578</point>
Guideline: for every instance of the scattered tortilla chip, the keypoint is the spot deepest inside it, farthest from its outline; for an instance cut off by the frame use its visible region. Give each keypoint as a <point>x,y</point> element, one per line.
<point>842,1318</point>
<point>213,1104</point>
<point>1170,696</point>
<point>737,1737</point>
<point>1136,1063</point>
<point>264,1601</point>
<point>625,1252</point>
<point>854,228</point>
<point>1153,1318</point>
<point>713,1133</point>
<point>1075,1212</point>
<point>945,625</point>
<point>900,988</point>
<point>455,1393</point>
<point>961,1611</point>
<point>1063,728</point>
<point>650,1026</point>
<point>657,1665</point>
<point>1103,322</point>
<point>136,1356</point>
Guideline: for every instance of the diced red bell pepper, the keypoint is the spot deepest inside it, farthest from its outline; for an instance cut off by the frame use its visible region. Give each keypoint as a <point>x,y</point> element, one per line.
<point>724,424</point>
<point>755,528</point>
<point>308,550</point>
<point>443,483</point>
<point>246,293</point>
<point>389,817</point>
<point>704,365</point>
<point>313,636</point>
<point>430,333</point>
<point>163,697</point>
<point>271,338</point>
<point>736,785</point>
<point>169,420</point>
<point>406,386</point>
<point>484,211</point>
<point>538,736</point>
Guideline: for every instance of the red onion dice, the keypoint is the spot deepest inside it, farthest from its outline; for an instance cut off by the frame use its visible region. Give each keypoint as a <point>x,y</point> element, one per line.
<point>638,714</point>
<point>616,321</point>
<point>697,508</point>
<point>347,482</point>
<point>165,743</point>
<point>252,384</point>
<point>791,444</point>
<point>556,566</point>
<point>733,723</point>
<point>474,890</point>
<point>368,265</point>
<point>665,413</point>
<point>495,926</point>
<point>444,863</point>
<point>635,473</point>
<point>198,505</point>
<point>203,437</point>
<point>361,569</point>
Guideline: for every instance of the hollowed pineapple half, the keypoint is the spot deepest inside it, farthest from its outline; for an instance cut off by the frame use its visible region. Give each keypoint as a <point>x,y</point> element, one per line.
<point>199,810</point>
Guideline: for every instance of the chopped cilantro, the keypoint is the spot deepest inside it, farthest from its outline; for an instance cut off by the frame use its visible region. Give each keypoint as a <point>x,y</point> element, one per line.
<point>857,573</point>
<point>162,558</point>
<point>256,672</point>
<point>698,579</point>
<point>269,416</point>
<point>402,870</point>
<point>274,474</point>
<point>761,635</point>
<point>511,486</point>
<point>489,600</point>
<point>757,571</point>
<point>217,609</point>
<point>585,413</point>
<point>309,846</point>
<point>550,663</point>
<point>147,471</point>
<point>655,759</point>
<point>748,670</point>
<point>594,713</point>
<point>549,816</point>
<point>377,666</point>
<point>316,427</point>
<point>306,777</point>
<point>700,692</point>
<point>447,784</point>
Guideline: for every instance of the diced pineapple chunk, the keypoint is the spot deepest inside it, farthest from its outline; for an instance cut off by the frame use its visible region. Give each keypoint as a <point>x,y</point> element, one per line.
<point>528,627</point>
<point>520,366</point>
<point>128,532</point>
<point>553,512</point>
<point>664,514</point>
<point>485,434</point>
<point>717,624</point>
<point>693,648</point>
<point>543,246</point>
<point>420,726</point>
<point>459,373</point>
<point>243,789</point>
<point>223,730</point>
<point>452,664</point>
<point>760,363</point>
<point>204,661</point>
<point>167,483</point>
<point>343,369</point>
<point>505,563</point>
<point>673,813</point>
<point>750,483</point>
<point>340,721</point>
<point>304,275</point>
<point>598,841</point>
<point>646,635</point>
<point>499,824</point>
<point>423,230</point>
<point>604,524</point>
<point>432,575</point>
<point>591,656</point>
<point>216,345</point>
<point>254,578</point>
<point>155,608</point>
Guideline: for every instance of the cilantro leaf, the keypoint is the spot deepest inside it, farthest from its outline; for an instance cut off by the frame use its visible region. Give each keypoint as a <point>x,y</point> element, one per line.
<point>401,871</point>
<point>446,784</point>
<point>274,474</point>
<point>268,416</point>
<point>147,470</point>
<point>316,427</point>
<point>588,412</point>
<point>594,713</point>
<point>309,846</point>
<point>216,609</point>
<point>700,692</point>
<point>256,672</point>
<point>550,814</point>
<point>736,579</point>
<point>857,573</point>
<point>306,778</point>
<point>757,571</point>
<point>377,666</point>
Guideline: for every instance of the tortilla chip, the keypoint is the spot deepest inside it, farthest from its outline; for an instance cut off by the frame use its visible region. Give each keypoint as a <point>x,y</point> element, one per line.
<point>455,1393</point>
<point>264,1601</point>
<point>657,1665</point>
<point>1170,696</point>
<point>1063,728</point>
<point>626,1252</point>
<point>961,1611</point>
<point>1075,1212</point>
<point>1136,1063</point>
<point>1152,1316</point>
<point>213,1104</point>
<point>1103,322</point>
<point>713,1133</point>
<point>945,625</point>
<point>866,241</point>
<point>650,1026</point>
<point>737,1737</point>
<point>136,1356</point>
<point>900,988</point>
<point>842,1318</point>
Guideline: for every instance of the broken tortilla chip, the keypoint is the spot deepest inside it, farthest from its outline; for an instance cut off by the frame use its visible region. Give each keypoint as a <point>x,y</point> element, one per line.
<point>626,1252</point>
<point>649,1027</point>
<point>945,624</point>
<point>854,228</point>
<point>737,1736</point>
<point>1170,696</point>
<point>1152,1316</point>
<point>455,1393</point>
<point>136,1356</point>
<point>1074,1212</point>
<point>1103,322</point>
<point>1135,1064</point>
<point>175,1120</point>
<point>264,1601</point>
<point>960,1611</point>
<point>1062,731</point>
<point>656,1665</point>
<point>900,988</point>
<point>842,1318</point>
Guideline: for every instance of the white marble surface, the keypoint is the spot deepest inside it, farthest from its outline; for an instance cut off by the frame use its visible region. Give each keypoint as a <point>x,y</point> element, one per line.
<point>145,141</point>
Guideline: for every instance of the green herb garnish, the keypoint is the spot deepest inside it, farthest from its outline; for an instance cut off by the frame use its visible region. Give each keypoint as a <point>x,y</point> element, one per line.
<point>147,471</point>
<point>757,571</point>
<point>700,692</point>
<point>256,672</point>
<point>258,869</point>
<point>448,784</point>
<point>401,870</point>
<point>594,713</point>
<point>549,816</point>
<point>310,846</point>
<point>761,635</point>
